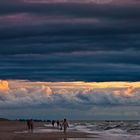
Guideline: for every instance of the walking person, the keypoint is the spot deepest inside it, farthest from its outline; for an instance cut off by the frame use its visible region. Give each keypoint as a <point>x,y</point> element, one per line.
<point>28,125</point>
<point>31,125</point>
<point>58,123</point>
<point>53,123</point>
<point>65,125</point>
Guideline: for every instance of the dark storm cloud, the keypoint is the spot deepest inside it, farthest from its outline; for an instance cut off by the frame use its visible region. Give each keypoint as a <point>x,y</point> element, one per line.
<point>71,41</point>
<point>90,67</point>
<point>67,40</point>
<point>91,10</point>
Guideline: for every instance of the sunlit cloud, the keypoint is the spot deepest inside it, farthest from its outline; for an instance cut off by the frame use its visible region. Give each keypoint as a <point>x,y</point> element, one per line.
<point>21,95</point>
<point>4,85</point>
<point>75,92</point>
<point>127,92</point>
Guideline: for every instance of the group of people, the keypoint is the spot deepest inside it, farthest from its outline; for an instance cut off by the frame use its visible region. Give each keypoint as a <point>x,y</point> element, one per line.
<point>62,125</point>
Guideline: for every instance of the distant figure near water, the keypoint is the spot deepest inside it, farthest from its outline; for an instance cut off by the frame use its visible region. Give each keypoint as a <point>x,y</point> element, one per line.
<point>53,123</point>
<point>30,125</point>
<point>61,125</point>
<point>58,123</point>
<point>65,125</point>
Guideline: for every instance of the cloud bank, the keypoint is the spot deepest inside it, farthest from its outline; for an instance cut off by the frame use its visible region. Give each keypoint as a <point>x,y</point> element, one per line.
<point>66,96</point>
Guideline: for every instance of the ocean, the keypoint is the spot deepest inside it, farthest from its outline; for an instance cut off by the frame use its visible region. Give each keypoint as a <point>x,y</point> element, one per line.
<point>103,130</point>
<point>108,130</point>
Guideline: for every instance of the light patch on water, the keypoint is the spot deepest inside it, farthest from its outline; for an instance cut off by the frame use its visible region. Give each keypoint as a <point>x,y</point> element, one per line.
<point>78,139</point>
<point>40,130</point>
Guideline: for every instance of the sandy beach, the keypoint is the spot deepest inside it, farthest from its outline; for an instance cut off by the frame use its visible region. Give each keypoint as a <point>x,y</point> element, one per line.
<point>10,130</point>
<point>16,130</point>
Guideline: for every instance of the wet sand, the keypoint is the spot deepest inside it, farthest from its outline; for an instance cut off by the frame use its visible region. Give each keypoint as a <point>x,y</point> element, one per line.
<point>15,130</point>
<point>8,131</point>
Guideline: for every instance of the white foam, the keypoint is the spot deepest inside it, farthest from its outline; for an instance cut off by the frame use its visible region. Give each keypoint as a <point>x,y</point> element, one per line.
<point>112,134</point>
<point>115,131</point>
<point>40,130</point>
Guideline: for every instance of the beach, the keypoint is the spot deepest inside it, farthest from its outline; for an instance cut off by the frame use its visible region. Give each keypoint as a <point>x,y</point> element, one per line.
<point>17,130</point>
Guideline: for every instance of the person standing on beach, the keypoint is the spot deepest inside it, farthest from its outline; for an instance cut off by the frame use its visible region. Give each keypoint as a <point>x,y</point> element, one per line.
<point>58,123</point>
<point>65,125</point>
<point>30,125</point>
<point>53,123</point>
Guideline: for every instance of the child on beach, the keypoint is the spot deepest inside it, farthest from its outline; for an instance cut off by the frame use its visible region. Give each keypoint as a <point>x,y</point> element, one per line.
<point>61,125</point>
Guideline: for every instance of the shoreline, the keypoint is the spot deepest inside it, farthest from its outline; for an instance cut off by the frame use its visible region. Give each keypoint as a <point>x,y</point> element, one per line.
<point>16,130</point>
<point>12,130</point>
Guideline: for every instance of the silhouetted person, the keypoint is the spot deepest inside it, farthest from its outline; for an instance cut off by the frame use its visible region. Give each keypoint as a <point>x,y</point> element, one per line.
<point>31,125</point>
<point>65,125</point>
<point>53,122</point>
<point>58,123</point>
<point>61,125</point>
<point>28,125</point>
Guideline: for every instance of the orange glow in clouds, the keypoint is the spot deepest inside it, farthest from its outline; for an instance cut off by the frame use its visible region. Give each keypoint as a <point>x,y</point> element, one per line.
<point>48,88</point>
<point>4,86</point>
<point>127,92</point>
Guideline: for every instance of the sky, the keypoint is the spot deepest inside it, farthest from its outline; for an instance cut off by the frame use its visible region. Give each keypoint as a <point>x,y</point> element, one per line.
<point>70,56</point>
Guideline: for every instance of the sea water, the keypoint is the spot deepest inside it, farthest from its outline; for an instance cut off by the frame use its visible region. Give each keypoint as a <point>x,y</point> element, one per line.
<point>104,130</point>
<point>108,130</point>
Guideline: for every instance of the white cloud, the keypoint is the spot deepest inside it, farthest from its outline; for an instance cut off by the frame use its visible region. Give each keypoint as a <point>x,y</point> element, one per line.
<point>23,94</point>
<point>73,98</point>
